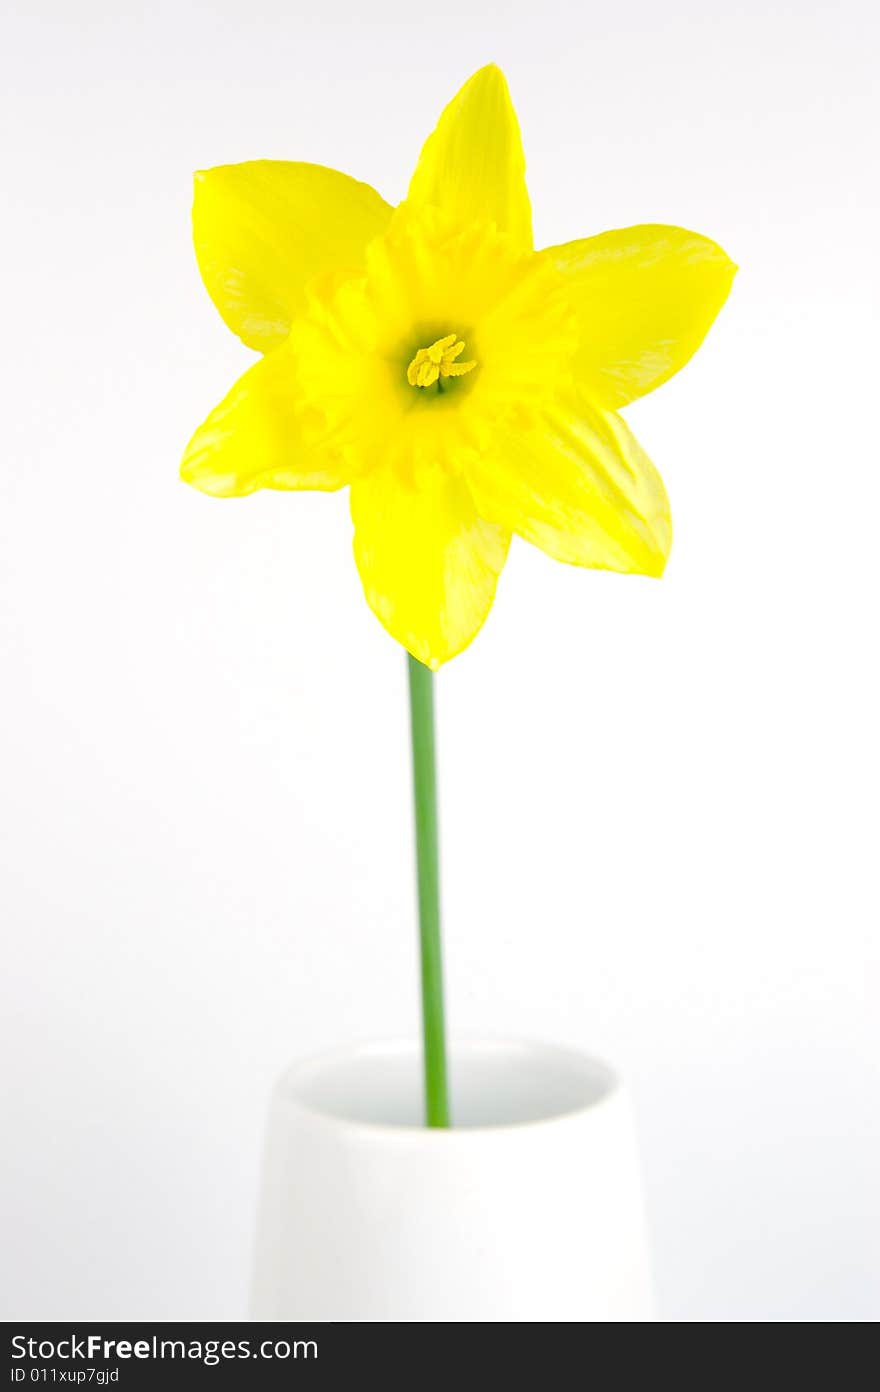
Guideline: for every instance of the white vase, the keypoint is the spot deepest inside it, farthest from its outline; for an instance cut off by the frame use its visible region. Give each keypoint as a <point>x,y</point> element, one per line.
<point>528,1209</point>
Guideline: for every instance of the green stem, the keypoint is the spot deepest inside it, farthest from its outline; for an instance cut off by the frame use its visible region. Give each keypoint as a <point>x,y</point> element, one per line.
<point>421,705</point>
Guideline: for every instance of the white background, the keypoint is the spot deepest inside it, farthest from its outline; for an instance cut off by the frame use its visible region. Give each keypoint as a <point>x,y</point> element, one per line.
<point>659,799</point>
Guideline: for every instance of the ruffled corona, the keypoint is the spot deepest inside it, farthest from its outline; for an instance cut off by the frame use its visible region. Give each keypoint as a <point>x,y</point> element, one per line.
<point>357,348</point>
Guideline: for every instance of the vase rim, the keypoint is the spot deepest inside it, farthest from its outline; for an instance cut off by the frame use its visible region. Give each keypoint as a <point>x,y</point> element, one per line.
<point>374,1085</point>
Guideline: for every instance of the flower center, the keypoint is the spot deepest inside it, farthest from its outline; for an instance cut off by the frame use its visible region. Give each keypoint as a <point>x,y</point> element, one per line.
<point>440,360</point>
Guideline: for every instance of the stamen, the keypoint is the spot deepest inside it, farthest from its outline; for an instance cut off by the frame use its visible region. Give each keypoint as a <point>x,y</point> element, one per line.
<point>430,364</point>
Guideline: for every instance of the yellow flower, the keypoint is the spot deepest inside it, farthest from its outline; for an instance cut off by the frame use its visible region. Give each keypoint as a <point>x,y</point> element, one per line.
<point>462,384</point>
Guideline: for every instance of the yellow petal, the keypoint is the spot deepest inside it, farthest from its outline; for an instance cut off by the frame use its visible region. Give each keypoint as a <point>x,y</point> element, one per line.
<point>645,298</point>
<point>264,228</point>
<point>428,563</point>
<point>577,484</point>
<point>472,165</point>
<point>254,438</point>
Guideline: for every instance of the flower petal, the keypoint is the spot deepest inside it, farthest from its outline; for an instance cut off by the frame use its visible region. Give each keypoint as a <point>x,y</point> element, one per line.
<point>254,438</point>
<point>428,563</point>
<point>577,484</point>
<point>262,229</point>
<point>473,165</point>
<point>645,298</point>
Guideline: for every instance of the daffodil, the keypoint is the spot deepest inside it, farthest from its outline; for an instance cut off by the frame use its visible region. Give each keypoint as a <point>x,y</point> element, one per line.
<point>461,384</point>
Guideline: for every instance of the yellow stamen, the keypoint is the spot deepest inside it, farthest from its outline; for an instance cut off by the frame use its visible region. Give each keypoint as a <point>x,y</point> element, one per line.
<point>439,360</point>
